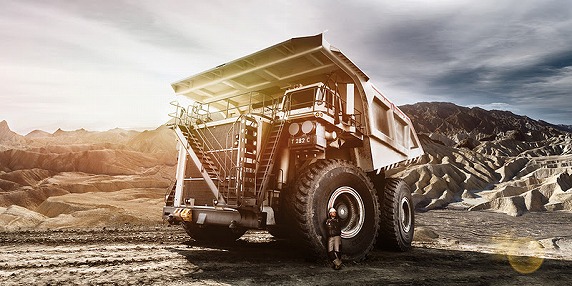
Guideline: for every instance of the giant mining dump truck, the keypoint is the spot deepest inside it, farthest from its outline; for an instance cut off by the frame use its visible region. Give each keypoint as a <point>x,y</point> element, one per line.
<point>276,138</point>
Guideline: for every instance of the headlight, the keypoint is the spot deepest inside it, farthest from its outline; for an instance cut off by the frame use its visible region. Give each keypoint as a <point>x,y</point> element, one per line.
<point>308,126</point>
<point>294,128</point>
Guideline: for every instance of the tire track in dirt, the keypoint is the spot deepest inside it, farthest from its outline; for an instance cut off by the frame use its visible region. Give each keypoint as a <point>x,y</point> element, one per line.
<point>90,264</point>
<point>122,257</point>
<point>167,256</point>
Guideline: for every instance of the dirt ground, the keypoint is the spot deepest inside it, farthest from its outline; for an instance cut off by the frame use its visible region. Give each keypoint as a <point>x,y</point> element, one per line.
<point>451,248</point>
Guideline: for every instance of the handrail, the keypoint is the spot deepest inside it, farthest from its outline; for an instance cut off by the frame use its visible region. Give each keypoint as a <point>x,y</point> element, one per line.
<point>246,108</point>
<point>182,117</point>
<point>195,117</point>
<point>266,175</point>
<point>355,120</point>
<point>210,147</point>
<point>214,189</point>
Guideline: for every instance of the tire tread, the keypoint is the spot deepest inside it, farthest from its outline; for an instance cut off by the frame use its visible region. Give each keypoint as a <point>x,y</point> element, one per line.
<point>299,208</point>
<point>389,237</point>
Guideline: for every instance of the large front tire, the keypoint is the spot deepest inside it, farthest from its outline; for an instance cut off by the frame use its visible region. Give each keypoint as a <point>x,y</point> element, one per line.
<point>397,216</point>
<point>338,184</point>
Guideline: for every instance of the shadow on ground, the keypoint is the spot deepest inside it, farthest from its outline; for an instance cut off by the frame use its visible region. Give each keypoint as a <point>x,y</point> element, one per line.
<point>277,262</point>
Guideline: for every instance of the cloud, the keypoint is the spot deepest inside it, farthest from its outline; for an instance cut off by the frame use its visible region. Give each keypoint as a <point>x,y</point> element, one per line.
<point>76,72</point>
<point>102,64</point>
<point>496,106</point>
<point>477,53</point>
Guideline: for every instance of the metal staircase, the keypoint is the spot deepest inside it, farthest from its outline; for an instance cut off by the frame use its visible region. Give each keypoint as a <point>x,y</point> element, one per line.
<point>235,186</point>
<point>246,171</point>
<point>197,146</point>
<point>197,154</point>
<point>170,195</point>
<point>266,158</point>
<point>229,162</point>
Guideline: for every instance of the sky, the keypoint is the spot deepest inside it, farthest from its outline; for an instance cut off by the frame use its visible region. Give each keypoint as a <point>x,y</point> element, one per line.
<point>104,64</point>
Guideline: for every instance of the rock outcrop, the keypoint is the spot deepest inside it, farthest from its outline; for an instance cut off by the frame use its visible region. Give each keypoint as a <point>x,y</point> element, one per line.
<point>82,178</point>
<point>488,160</point>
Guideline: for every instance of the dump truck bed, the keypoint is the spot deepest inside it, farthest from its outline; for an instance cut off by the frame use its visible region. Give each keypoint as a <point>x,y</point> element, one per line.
<point>268,73</point>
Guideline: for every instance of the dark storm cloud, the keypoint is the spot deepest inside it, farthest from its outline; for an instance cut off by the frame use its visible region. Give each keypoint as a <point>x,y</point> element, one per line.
<point>512,52</point>
<point>545,67</point>
<point>510,81</point>
<point>461,78</point>
<point>415,41</point>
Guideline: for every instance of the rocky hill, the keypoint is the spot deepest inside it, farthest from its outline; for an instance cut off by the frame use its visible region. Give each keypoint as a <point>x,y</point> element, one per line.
<point>83,178</point>
<point>459,123</point>
<point>9,137</point>
<point>494,160</point>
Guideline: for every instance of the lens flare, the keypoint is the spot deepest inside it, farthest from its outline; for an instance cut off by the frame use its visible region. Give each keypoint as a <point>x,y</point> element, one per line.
<point>525,255</point>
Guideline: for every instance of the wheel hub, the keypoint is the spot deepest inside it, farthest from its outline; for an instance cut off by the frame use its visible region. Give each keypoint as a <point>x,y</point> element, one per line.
<point>343,212</point>
<point>350,208</point>
<point>405,214</point>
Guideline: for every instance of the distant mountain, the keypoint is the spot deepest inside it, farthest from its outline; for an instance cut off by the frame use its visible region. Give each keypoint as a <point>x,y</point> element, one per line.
<point>567,128</point>
<point>161,139</point>
<point>460,123</point>
<point>488,160</point>
<point>38,133</point>
<point>81,136</point>
<point>7,136</point>
<point>77,132</point>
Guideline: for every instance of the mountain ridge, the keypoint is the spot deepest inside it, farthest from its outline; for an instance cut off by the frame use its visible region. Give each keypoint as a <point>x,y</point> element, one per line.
<point>460,123</point>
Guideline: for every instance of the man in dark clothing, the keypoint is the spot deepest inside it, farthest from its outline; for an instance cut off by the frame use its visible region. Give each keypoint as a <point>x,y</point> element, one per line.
<point>334,239</point>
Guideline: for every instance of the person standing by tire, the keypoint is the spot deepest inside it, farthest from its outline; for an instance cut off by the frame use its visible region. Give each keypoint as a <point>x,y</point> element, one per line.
<point>334,239</point>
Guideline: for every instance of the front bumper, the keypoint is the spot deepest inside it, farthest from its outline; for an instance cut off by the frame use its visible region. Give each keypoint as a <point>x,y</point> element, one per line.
<point>204,215</point>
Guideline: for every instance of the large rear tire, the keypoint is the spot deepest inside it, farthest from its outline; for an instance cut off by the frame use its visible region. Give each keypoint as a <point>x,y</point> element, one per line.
<point>338,184</point>
<point>217,234</point>
<point>397,216</point>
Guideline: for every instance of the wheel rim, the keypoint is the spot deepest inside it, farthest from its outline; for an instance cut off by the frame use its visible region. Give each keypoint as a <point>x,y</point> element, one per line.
<point>405,214</point>
<point>350,208</point>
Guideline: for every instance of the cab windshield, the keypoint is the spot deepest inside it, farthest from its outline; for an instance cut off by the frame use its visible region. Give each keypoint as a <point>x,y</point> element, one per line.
<point>302,98</point>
